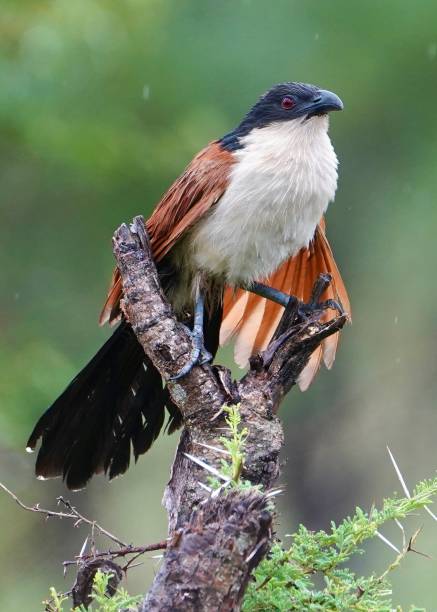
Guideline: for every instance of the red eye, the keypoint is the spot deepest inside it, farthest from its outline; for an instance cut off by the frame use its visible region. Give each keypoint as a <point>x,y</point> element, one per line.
<point>287,103</point>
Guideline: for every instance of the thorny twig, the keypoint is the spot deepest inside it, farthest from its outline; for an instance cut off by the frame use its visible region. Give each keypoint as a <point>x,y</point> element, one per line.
<point>121,552</point>
<point>93,524</point>
<point>74,514</point>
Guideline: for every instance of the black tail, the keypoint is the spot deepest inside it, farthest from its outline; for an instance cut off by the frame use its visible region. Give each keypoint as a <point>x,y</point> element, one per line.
<point>117,400</point>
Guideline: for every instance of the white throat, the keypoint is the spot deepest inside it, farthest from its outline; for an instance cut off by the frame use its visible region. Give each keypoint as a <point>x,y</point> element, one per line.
<point>283,179</point>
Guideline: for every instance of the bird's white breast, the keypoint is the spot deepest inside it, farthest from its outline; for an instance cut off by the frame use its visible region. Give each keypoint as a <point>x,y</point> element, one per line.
<point>283,179</point>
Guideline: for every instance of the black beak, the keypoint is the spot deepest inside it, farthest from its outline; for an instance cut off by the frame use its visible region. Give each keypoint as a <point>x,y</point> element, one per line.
<point>323,102</point>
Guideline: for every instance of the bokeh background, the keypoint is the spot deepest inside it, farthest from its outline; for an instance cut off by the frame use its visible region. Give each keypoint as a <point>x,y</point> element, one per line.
<point>102,103</point>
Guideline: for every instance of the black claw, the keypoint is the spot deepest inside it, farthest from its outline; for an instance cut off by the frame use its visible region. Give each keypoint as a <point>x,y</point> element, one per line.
<point>322,283</point>
<point>307,310</point>
<point>199,356</point>
<point>315,305</point>
<point>333,305</point>
<point>194,360</point>
<point>205,356</point>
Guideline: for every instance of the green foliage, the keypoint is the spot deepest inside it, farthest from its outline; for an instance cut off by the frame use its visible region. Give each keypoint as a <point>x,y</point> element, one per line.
<point>56,601</point>
<point>101,602</point>
<point>311,574</point>
<point>233,445</point>
<point>289,578</point>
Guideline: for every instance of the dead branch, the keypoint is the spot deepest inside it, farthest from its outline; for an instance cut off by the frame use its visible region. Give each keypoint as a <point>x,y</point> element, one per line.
<point>121,552</point>
<point>206,566</point>
<point>89,564</point>
<point>73,514</point>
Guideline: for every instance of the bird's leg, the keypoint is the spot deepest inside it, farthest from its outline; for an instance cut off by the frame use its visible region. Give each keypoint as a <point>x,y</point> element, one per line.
<point>303,310</point>
<point>270,293</point>
<point>199,354</point>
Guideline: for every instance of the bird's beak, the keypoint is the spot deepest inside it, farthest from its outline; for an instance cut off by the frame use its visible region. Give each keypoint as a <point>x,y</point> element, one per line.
<point>323,102</point>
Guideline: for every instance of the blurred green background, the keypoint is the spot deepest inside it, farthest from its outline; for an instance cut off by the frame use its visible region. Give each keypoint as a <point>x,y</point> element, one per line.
<point>102,103</point>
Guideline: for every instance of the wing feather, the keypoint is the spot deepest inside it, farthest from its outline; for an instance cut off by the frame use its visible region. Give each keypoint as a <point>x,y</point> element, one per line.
<point>234,306</point>
<point>199,187</point>
<point>252,320</point>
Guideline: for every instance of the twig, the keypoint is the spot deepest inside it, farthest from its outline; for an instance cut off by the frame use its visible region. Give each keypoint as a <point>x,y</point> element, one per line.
<point>74,514</point>
<point>93,524</point>
<point>121,552</point>
<point>79,518</point>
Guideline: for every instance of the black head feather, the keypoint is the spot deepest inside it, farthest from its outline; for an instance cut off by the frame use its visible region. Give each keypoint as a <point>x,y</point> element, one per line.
<point>283,102</point>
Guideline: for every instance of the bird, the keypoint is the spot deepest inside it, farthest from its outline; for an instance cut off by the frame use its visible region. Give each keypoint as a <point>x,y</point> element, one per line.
<point>239,231</point>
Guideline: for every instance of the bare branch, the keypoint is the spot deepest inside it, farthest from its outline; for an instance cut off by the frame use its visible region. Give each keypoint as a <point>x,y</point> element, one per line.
<point>121,552</point>
<point>74,515</point>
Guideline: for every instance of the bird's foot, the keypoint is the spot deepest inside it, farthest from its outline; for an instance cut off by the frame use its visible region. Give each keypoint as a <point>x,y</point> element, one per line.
<point>315,306</point>
<point>303,310</point>
<point>306,311</point>
<point>198,356</point>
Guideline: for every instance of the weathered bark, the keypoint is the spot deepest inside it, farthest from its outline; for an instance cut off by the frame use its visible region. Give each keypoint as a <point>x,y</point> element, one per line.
<point>206,530</point>
<point>208,564</point>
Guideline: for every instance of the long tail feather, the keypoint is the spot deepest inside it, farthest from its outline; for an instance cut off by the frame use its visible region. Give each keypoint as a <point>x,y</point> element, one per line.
<point>116,401</point>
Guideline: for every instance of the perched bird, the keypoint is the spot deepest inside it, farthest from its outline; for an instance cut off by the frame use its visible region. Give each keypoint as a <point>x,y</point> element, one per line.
<point>238,232</point>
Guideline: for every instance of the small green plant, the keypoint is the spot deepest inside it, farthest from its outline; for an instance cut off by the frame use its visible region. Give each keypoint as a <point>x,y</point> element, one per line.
<point>101,602</point>
<point>56,601</point>
<point>233,445</point>
<point>287,579</point>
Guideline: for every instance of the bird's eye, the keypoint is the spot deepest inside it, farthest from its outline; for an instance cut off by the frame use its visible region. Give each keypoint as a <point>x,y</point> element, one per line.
<point>287,103</point>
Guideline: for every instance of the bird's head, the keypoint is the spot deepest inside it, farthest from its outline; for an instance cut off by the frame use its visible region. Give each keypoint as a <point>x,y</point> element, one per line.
<point>301,103</point>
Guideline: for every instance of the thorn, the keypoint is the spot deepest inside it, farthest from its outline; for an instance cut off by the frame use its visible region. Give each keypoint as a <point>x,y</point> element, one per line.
<point>399,475</point>
<point>401,527</point>
<point>135,565</point>
<point>384,539</point>
<point>431,513</point>
<point>274,493</point>
<point>214,448</point>
<point>255,550</point>
<point>411,542</point>
<point>404,486</point>
<point>216,415</point>
<point>208,468</point>
<point>204,486</point>
<point>217,492</point>
<point>84,545</point>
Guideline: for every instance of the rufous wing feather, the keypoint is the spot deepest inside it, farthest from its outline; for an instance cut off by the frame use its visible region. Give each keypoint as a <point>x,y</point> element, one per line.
<point>252,320</point>
<point>199,187</point>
